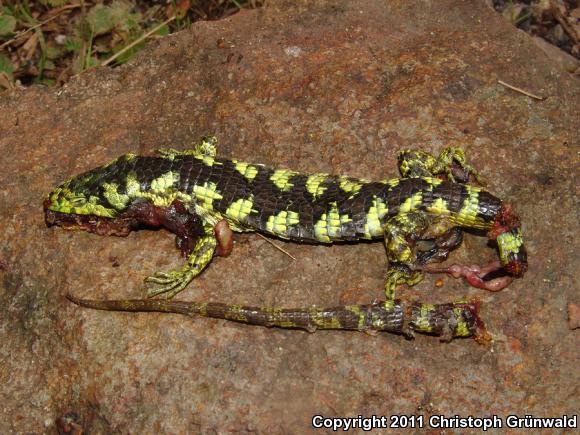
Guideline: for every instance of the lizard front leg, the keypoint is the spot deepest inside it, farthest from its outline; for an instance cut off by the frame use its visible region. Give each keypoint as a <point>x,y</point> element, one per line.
<point>451,163</point>
<point>174,281</point>
<point>197,240</point>
<point>207,147</point>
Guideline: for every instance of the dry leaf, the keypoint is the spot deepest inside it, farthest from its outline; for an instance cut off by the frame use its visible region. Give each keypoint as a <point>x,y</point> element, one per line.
<point>29,47</point>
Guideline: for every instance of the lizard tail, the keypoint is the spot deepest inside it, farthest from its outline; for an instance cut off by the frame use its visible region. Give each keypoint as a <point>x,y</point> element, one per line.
<point>448,321</point>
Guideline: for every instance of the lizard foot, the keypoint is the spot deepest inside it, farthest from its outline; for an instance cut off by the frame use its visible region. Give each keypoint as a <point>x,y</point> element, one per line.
<point>397,274</point>
<point>453,163</point>
<point>475,275</point>
<point>170,283</point>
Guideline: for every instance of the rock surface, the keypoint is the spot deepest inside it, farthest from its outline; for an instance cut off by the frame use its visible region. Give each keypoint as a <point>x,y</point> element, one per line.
<point>335,86</point>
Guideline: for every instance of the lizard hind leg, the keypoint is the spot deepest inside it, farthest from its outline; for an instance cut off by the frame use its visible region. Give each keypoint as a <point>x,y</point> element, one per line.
<point>398,274</point>
<point>401,234</point>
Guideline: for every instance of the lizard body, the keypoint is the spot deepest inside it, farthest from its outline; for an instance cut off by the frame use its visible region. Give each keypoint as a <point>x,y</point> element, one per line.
<point>202,198</point>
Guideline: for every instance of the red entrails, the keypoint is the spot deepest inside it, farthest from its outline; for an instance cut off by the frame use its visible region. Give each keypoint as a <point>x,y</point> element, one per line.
<point>474,275</point>
<point>225,238</point>
<point>505,221</point>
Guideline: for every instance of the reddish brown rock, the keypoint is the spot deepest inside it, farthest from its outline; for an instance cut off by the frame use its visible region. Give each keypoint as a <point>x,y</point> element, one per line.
<point>573,316</point>
<point>335,86</point>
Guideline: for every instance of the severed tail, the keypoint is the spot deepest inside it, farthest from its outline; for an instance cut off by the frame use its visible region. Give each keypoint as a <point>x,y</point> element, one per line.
<point>448,321</point>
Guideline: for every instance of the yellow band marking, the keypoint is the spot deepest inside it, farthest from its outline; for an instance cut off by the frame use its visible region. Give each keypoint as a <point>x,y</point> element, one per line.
<point>509,243</point>
<point>116,199</point>
<point>467,216</point>
<point>240,210</point>
<point>164,182</point>
<point>329,225</point>
<point>412,203</point>
<point>462,328</point>
<point>313,184</point>
<point>438,207</point>
<point>278,224</point>
<point>206,194</point>
<point>351,185</point>
<point>281,178</point>
<point>422,322</point>
<point>248,171</point>
<point>374,219</point>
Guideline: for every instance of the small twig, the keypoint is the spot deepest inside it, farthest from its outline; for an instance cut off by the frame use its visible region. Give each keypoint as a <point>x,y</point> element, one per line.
<point>521,91</point>
<point>137,41</point>
<point>523,18</point>
<point>279,248</point>
<point>36,26</point>
<point>563,21</point>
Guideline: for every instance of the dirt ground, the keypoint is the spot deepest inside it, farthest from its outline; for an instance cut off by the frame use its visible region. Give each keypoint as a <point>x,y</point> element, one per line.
<point>334,87</point>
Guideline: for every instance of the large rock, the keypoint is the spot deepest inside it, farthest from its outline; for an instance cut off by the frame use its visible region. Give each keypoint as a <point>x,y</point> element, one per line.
<point>335,87</point>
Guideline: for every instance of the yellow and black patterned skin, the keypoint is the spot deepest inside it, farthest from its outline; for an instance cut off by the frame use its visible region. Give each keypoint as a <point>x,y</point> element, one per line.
<point>201,198</point>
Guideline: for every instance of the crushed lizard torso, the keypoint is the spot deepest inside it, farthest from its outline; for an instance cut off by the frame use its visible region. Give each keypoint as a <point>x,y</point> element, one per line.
<point>202,198</point>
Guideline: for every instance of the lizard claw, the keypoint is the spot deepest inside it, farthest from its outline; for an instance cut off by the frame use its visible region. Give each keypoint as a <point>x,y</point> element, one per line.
<point>170,283</point>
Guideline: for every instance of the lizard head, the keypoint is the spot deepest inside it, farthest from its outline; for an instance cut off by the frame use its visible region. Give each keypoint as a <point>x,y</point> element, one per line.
<point>87,202</point>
